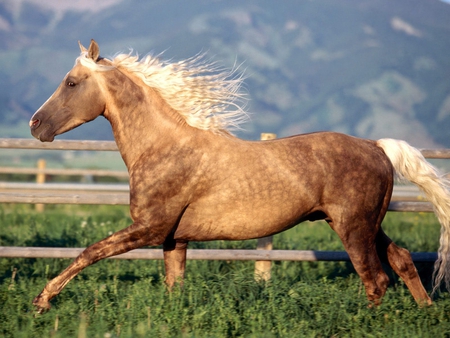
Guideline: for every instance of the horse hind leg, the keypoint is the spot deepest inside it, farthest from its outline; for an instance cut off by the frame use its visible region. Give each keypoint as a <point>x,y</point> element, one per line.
<point>358,234</point>
<point>361,248</point>
<point>401,262</point>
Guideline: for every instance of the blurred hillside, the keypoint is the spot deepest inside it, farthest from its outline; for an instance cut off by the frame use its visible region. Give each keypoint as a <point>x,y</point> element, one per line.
<point>370,68</point>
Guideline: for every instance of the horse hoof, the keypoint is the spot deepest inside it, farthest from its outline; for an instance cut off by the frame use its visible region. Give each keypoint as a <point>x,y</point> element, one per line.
<point>373,304</point>
<point>41,305</point>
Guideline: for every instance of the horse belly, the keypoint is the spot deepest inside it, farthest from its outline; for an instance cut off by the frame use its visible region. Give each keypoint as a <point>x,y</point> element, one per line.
<point>241,220</point>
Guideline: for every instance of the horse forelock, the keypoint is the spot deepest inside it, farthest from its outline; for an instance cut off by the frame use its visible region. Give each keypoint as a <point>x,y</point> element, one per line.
<point>206,96</point>
<point>87,62</point>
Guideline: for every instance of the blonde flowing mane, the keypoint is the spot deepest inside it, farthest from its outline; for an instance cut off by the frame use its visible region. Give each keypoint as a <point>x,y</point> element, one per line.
<point>206,96</point>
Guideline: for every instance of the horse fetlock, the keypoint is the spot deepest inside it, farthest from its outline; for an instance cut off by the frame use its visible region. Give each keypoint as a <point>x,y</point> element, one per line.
<point>424,302</point>
<point>383,282</point>
<point>375,294</point>
<point>374,301</point>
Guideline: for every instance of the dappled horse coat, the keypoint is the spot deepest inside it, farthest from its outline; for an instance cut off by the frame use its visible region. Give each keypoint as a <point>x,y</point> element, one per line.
<point>192,180</point>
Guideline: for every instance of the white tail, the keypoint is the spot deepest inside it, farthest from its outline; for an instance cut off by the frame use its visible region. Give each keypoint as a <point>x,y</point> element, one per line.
<point>410,163</point>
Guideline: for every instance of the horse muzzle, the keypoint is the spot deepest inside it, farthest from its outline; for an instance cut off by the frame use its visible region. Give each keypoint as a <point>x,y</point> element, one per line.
<point>40,130</point>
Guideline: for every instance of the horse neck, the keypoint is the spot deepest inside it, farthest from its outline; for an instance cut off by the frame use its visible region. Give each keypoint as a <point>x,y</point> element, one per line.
<point>140,118</point>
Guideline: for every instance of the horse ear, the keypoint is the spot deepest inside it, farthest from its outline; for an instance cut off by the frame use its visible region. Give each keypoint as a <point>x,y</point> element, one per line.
<point>93,51</point>
<point>82,48</point>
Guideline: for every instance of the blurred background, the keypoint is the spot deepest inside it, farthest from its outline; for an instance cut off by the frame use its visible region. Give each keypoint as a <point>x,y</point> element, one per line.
<point>369,68</point>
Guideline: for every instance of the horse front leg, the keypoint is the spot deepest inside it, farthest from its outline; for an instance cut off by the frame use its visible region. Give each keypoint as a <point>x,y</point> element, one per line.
<point>132,237</point>
<point>174,261</point>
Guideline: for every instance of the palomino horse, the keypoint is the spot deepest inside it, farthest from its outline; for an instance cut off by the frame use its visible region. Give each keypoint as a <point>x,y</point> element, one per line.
<point>191,180</point>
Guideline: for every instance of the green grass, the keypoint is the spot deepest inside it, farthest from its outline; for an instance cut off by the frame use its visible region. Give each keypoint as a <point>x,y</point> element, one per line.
<point>219,299</point>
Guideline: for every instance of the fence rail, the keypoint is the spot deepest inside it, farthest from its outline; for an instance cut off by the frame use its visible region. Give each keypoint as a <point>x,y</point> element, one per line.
<point>123,199</point>
<point>203,254</point>
<point>23,143</point>
<point>64,172</point>
<point>94,193</point>
<point>114,195</point>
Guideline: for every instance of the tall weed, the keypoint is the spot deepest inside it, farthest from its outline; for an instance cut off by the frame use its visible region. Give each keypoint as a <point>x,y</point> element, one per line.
<point>219,299</point>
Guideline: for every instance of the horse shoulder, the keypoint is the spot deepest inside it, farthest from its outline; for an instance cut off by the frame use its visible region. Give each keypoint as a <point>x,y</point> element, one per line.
<point>160,183</point>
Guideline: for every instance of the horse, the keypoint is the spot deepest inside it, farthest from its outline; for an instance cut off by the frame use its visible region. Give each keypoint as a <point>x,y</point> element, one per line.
<point>191,179</point>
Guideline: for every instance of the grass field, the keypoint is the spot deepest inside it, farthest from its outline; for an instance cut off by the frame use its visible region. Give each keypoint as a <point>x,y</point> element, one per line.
<point>117,298</point>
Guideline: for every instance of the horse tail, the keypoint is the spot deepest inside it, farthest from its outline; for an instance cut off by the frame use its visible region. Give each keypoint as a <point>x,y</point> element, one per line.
<point>410,163</point>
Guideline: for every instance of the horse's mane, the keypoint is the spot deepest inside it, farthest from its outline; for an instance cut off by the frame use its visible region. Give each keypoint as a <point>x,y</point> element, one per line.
<point>206,96</point>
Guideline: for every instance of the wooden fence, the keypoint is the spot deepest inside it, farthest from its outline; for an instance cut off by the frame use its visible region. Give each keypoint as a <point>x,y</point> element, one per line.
<point>39,193</point>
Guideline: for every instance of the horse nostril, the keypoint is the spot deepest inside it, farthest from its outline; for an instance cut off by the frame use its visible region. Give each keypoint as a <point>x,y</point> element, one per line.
<point>35,123</point>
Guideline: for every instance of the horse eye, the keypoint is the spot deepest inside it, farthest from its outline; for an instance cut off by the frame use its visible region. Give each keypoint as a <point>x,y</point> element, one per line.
<point>71,84</point>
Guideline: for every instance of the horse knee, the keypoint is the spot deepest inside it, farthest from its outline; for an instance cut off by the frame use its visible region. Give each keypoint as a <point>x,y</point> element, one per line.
<point>382,281</point>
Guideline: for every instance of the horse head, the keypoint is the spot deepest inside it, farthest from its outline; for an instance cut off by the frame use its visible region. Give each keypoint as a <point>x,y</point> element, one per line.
<point>77,100</point>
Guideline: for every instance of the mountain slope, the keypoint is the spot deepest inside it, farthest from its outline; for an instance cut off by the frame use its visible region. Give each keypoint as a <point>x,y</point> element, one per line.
<point>368,68</point>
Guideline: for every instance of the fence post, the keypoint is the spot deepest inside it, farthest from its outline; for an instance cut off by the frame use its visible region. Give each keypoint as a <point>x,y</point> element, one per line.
<point>40,179</point>
<point>262,268</point>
